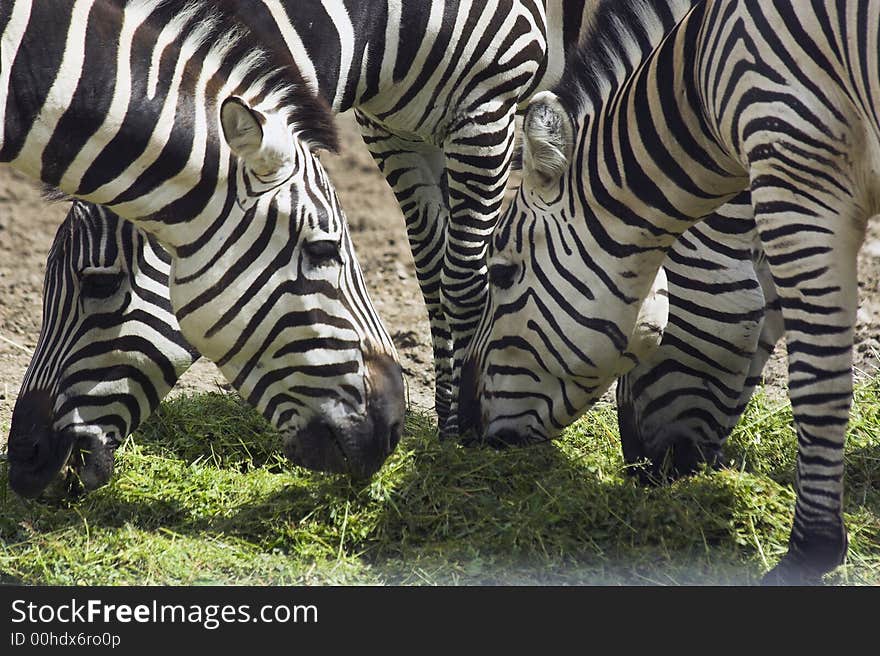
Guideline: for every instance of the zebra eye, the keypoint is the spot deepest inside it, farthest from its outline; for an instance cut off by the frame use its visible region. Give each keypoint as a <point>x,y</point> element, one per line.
<point>502,275</point>
<point>322,252</point>
<point>100,284</point>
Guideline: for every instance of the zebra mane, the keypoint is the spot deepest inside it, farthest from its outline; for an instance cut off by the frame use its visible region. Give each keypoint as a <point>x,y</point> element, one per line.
<point>621,34</point>
<point>268,71</point>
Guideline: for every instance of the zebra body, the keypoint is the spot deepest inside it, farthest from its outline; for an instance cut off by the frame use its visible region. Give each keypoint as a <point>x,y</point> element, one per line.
<point>629,154</point>
<point>182,127</point>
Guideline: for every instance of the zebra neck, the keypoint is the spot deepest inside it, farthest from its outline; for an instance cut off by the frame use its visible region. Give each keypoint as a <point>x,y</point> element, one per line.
<point>349,52</point>
<point>636,150</point>
<point>132,124</point>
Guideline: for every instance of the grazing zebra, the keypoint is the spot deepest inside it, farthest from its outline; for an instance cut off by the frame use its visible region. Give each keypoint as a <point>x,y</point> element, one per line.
<point>110,347</point>
<point>369,68</point>
<point>628,153</point>
<point>435,87</point>
<point>181,126</point>
<point>56,360</point>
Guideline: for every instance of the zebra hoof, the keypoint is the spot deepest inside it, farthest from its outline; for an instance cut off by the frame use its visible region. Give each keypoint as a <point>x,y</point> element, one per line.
<point>788,573</point>
<point>809,559</point>
<point>447,430</point>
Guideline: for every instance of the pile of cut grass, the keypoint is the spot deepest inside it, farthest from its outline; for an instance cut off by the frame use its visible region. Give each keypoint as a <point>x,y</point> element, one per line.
<point>202,495</point>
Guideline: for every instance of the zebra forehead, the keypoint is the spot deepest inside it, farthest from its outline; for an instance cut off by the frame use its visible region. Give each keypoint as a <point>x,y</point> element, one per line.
<point>89,234</point>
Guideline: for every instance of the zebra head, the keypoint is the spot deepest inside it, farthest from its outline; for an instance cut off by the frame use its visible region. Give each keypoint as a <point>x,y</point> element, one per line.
<point>109,350</point>
<point>546,348</point>
<point>300,338</point>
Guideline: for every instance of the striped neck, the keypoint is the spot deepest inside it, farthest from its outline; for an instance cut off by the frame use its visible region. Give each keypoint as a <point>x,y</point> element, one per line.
<point>632,134</point>
<point>133,122</point>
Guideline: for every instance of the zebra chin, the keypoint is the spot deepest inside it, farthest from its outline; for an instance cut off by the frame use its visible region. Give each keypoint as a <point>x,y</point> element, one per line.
<point>359,445</point>
<point>40,456</point>
<point>36,453</point>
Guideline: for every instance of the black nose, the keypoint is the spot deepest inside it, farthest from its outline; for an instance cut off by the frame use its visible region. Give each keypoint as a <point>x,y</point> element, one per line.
<point>358,448</point>
<point>36,453</point>
<point>469,420</point>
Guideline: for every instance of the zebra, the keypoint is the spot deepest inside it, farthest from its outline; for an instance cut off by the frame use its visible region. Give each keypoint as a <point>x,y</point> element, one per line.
<point>180,125</point>
<point>155,378</point>
<point>435,87</point>
<point>441,129</point>
<point>626,153</point>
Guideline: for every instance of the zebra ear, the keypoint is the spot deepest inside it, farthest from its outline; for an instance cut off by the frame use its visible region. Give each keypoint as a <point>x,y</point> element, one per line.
<point>547,140</point>
<point>262,141</point>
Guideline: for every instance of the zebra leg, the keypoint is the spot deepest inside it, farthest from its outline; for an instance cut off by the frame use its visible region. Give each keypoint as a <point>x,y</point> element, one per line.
<point>415,172</point>
<point>478,152</point>
<point>772,330</point>
<point>817,283</point>
<point>677,407</point>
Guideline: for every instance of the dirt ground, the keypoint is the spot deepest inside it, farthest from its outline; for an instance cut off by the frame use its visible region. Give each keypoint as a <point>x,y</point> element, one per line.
<point>28,225</point>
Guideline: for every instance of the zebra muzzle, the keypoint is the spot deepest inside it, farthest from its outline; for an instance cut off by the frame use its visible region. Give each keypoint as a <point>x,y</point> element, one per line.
<point>359,445</point>
<point>37,453</point>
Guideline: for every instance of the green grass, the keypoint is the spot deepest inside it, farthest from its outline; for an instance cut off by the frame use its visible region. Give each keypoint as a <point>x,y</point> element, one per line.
<point>201,495</point>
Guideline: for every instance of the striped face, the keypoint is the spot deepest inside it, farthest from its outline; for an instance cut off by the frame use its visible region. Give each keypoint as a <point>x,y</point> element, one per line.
<point>109,349</point>
<point>545,349</point>
<point>298,335</point>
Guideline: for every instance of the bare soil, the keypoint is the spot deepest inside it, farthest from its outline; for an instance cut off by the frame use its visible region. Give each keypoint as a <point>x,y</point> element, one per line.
<point>28,225</point>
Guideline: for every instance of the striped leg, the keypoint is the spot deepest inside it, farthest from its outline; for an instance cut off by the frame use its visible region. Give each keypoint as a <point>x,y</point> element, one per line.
<point>817,284</point>
<point>415,172</point>
<point>772,331</point>
<point>678,406</point>
<point>478,156</point>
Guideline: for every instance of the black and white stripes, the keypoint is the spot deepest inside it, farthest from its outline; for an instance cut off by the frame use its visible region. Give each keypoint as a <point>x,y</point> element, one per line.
<point>778,97</point>
<point>181,125</point>
<point>693,385</point>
